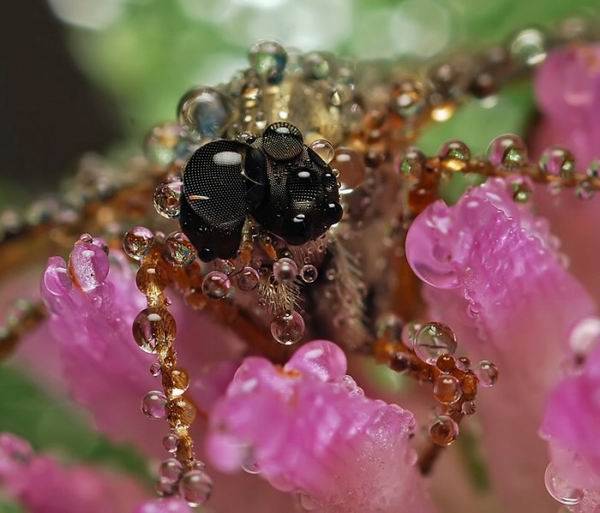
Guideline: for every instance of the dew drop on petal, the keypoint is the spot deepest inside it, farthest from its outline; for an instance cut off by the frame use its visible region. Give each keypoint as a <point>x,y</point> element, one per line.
<point>561,490</point>
<point>216,285</point>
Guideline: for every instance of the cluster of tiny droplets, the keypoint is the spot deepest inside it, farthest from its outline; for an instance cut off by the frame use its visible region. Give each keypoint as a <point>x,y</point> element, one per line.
<point>154,330</point>
<point>427,351</point>
<point>506,157</point>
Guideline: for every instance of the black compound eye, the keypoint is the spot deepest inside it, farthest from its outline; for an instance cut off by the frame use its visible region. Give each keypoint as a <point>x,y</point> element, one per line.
<point>282,141</point>
<point>222,181</point>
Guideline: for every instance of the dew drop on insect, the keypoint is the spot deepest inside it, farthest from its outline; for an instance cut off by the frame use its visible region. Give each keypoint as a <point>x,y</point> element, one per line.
<point>154,405</point>
<point>216,285</point>
<point>309,273</point>
<point>287,329</point>
<point>195,487</point>
<point>137,242</point>
<point>247,279</point>
<point>285,269</point>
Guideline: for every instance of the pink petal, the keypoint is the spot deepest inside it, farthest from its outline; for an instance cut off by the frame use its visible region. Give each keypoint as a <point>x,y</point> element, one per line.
<point>324,440</point>
<point>42,485</point>
<point>511,301</point>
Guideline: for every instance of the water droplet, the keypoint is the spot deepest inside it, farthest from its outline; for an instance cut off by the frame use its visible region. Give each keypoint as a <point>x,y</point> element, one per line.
<point>507,150</point>
<point>324,149</point>
<point>137,242</point>
<point>447,389</point>
<point>151,278</point>
<point>155,369</point>
<point>179,251</point>
<point>206,111</point>
<point>247,279</point>
<point>468,408</point>
<point>445,363</point>
<point>307,503</point>
<point>216,285</point>
<point>522,192</point>
<point>154,405</point>
<point>487,372</point>
<point>288,328</point>
<point>413,163</point>
<point>593,170</point>
<point>585,189</point>
<point>195,487</point>
<point>182,412</point>
<point>170,443</point>
<point>88,265</point>
<point>170,470</point>
<point>285,269</point>
<point>429,247</point>
<point>455,155</point>
<point>556,161</point>
<point>560,489</point>
<point>529,46</point>
<point>56,277</point>
<point>250,466</point>
<point>178,382</point>
<point>167,197</point>
<point>154,329</point>
<point>351,167</point>
<point>408,98</point>
<point>309,273</point>
<point>433,340</point>
<point>268,58</point>
<point>316,66</point>
<point>443,431</point>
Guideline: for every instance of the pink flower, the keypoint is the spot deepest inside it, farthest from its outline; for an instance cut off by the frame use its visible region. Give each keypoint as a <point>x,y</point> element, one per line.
<point>570,426</point>
<point>494,275</point>
<point>105,369</point>
<point>107,372</point>
<point>309,429</point>
<point>42,485</point>
<point>567,89</point>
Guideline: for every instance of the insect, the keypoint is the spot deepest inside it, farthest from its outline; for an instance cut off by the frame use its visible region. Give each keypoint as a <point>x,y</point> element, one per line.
<point>276,179</point>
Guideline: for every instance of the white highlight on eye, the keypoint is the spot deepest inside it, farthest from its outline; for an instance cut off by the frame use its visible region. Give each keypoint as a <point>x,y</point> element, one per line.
<point>282,130</point>
<point>227,158</point>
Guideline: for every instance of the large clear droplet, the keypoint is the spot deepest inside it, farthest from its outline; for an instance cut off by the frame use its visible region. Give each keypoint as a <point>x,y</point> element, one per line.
<point>154,329</point>
<point>268,58</point>
<point>561,490</point>
<point>433,340</point>
<point>195,487</point>
<point>170,470</point>
<point>288,328</point>
<point>206,111</point>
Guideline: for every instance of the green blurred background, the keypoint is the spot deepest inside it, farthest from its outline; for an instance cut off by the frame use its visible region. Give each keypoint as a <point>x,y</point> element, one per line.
<point>94,75</point>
